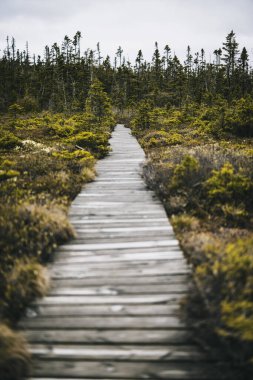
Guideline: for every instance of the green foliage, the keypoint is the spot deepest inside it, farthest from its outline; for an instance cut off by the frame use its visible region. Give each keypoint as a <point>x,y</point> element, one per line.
<point>98,102</point>
<point>206,184</point>
<point>229,271</point>
<point>7,174</point>
<point>237,316</point>
<point>158,138</point>
<point>15,109</point>
<point>82,155</point>
<point>143,116</point>
<point>157,116</point>
<point>61,81</point>
<point>9,141</point>
<point>239,118</point>
<point>38,181</point>
<point>28,104</point>
<point>32,230</point>
<point>184,173</point>
<point>227,186</point>
<point>174,118</point>
<point>61,129</point>
<point>184,222</point>
<point>96,143</point>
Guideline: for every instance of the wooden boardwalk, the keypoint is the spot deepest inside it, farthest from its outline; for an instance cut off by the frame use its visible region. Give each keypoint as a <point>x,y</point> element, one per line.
<point>113,311</point>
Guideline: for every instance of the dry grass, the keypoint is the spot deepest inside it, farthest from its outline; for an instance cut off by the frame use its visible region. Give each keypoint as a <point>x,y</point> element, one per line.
<point>14,355</point>
<point>27,281</point>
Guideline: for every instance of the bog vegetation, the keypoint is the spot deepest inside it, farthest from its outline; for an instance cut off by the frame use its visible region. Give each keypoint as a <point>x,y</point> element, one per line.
<point>195,122</point>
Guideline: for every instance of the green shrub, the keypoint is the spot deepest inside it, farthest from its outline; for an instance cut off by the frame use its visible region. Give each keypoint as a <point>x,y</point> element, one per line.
<point>7,164</point>
<point>15,109</point>
<point>227,280</point>
<point>143,117</point>
<point>184,174</point>
<point>98,102</point>
<point>158,139</point>
<point>237,317</point>
<point>239,118</point>
<point>61,129</point>
<point>182,223</point>
<point>96,143</point>
<point>173,119</point>
<point>82,155</point>
<point>7,174</point>
<point>29,103</point>
<point>227,186</point>
<point>157,116</point>
<point>9,141</point>
<point>31,230</point>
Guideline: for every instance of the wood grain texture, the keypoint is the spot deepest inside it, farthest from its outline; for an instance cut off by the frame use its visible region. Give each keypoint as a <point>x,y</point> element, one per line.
<point>113,311</point>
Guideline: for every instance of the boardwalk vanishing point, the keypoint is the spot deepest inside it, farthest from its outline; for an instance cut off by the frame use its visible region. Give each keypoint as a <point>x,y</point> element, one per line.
<point>113,310</point>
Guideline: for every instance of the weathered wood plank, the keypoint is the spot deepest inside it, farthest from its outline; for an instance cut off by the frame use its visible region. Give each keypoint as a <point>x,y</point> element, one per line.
<point>119,369</point>
<point>122,239</point>
<point>60,260</point>
<point>118,280</point>
<point>113,311</point>
<point>113,352</point>
<point>123,289</point>
<point>118,252</point>
<point>126,229</point>
<point>139,265</point>
<point>101,310</point>
<point>121,245</point>
<point>112,298</point>
<point>115,336</point>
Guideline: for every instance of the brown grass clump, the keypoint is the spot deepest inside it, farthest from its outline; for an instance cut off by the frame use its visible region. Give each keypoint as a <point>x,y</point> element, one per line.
<point>33,230</point>
<point>88,174</point>
<point>27,281</point>
<point>14,356</point>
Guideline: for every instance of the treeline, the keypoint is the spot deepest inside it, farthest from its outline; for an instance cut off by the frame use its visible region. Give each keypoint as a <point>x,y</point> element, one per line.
<point>60,80</point>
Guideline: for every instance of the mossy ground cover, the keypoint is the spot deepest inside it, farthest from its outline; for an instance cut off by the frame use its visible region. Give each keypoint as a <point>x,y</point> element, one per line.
<point>200,162</point>
<point>41,171</point>
<point>45,158</point>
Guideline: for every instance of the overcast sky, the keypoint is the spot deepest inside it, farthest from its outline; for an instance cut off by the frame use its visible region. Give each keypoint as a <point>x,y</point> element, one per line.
<point>133,24</point>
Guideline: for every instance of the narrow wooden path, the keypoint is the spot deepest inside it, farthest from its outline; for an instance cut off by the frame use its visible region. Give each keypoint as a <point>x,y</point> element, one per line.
<point>113,311</point>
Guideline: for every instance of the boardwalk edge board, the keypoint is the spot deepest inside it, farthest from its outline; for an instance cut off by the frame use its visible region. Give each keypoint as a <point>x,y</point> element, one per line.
<point>114,307</point>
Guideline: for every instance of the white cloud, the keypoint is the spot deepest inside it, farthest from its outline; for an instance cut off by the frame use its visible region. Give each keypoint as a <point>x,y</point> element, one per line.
<point>133,24</point>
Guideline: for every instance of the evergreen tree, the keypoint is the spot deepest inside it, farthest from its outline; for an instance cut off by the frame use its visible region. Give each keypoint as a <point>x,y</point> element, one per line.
<point>98,102</point>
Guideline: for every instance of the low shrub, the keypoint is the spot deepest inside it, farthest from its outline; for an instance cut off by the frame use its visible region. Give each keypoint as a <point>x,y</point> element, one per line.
<point>239,118</point>
<point>185,173</point>
<point>82,155</point>
<point>143,119</point>
<point>32,230</point>
<point>227,278</point>
<point>27,281</point>
<point>227,186</point>
<point>61,129</point>
<point>88,174</point>
<point>38,180</point>
<point>9,141</point>
<point>14,356</point>
<point>96,143</point>
<point>184,222</point>
<point>157,139</point>
<point>173,119</point>
<point>7,174</point>
<point>206,185</point>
